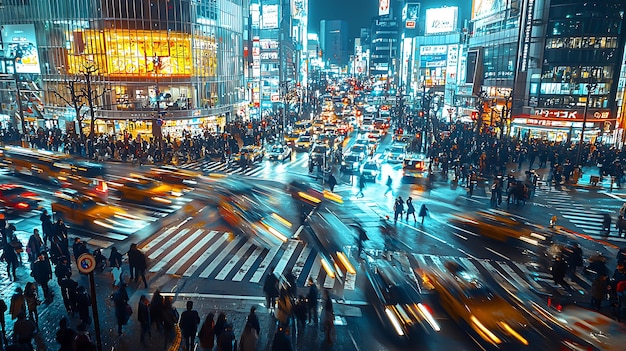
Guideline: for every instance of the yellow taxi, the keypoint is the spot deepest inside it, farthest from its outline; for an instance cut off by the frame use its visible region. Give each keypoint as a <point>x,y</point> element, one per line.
<point>291,138</point>
<point>174,175</point>
<point>465,298</point>
<point>90,214</point>
<point>149,191</point>
<point>251,153</point>
<point>502,226</point>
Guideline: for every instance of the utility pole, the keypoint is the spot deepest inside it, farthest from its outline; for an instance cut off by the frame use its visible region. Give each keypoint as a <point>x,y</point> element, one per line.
<point>591,86</point>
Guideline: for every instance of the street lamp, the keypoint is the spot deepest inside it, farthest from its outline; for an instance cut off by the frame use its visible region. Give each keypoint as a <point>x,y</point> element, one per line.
<point>591,86</point>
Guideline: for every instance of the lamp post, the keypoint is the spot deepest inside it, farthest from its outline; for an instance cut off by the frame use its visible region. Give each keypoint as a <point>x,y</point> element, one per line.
<point>591,86</point>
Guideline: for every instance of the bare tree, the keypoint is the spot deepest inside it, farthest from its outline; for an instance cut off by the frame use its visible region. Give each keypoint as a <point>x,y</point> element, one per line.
<point>82,94</point>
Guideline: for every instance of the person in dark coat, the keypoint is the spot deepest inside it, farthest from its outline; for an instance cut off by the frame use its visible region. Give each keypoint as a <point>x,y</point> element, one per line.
<point>598,291</point>
<point>361,186</point>
<point>23,331</point>
<point>410,209</point>
<point>281,340</point>
<point>170,317</point>
<point>143,316</point>
<point>559,270</point>
<point>70,294</point>
<point>312,302</point>
<point>219,326</point>
<point>226,340</point>
<point>206,334</point>
<point>34,246</point>
<point>156,310</point>
<point>575,259</point>
<point>254,320</point>
<point>423,212</point>
<point>188,323</point>
<point>79,248</point>
<point>42,272</point>
<point>18,303</point>
<point>120,300</point>
<point>65,336</point>
<point>138,264</point>
<point>115,262</point>
<point>332,181</point>
<point>83,301</point>
<point>46,226</point>
<point>59,237</point>
<point>270,288</point>
<point>10,257</point>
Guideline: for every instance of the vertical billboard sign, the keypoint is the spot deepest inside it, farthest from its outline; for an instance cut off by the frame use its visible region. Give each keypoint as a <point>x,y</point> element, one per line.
<point>486,8</point>
<point>470,68</point>
<point>453,61</point>
<point>21,44</point>
<point>269,18</point>
<point>299,9</point>
<point>410,14</point>
<point>255,13</point>
<point>528,29</point>
<point>383,7</point>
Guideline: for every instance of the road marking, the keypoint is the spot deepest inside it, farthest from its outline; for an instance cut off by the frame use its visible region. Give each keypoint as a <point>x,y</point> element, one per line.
<point>263,266</point>
<point>233,260</point>
<point>217,260</point>
<point>282,264</point>
<point>315,270</point>
<point>301,261</point>
<point>162,249</point>
<point>246,266</point>
<point>194,249</point>
<point>467,254</point>
<point>496,252</point>
<point>156,241</point>
<point>210,250</point>
<point>532,281</point>
<point>173,253</point>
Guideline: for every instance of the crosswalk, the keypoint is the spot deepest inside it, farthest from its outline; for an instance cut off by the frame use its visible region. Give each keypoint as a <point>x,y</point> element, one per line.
<point>509,273</point>
<point>587,219</point>
<point>222,256</point>
<point>257,169</point>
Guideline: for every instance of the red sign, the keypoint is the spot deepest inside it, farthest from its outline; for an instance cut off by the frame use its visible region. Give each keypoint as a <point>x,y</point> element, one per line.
<point>410,24</point>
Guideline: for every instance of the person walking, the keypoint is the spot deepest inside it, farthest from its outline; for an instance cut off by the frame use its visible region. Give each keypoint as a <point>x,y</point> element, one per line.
<point>254,320</point>
<point>30,295</point>
<point>398,209</point>
<point>270,288</point>
<point>332,181</point>
<point>138,264</point>
<point>42,272</point>
<point>359,194</point>
<point>46,226</point>
<point>82,341</point>
<point>115,262</point>
<point>281,340</point>
<point>284,308</point>
<point>10,257</point>
<point>410,209</point>
<point>3,322</point>
<point>389,185</point>
<point>248,339</point>
<point>206,335</point>
<point>226,340</point>
<point>83,301</point>
<point>34,246</point>
<point>328,319</point>
<point>598,291</point>
<point>606,223</point>
<point>23,332</point>
<point>188,323</point>
<point>219,326</point>
<point>156,310</point>
<point>78,248</point>
<point>559,270</point>
<point>423,212</point>
<point>120,300</point>
<point>143,317</point>
<point>312,298</point>
<point>65,336</point>
<point>69,294</point>
<point>18,303</point>
<point>170,317</point>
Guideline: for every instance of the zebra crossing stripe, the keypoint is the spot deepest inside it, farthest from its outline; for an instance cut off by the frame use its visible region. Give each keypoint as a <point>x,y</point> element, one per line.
<point>329,282</point>
<point>420,259</point>
<point>315,270</point>
<point>246,265</point>
<point>157,252</point>
<point>206,254</point>
<point>532,281</point>
<point>233,260</point>
<point>469,265</point>
<point>193,250</point>
<point>437,262</point>
<point>156,241</point>
<point>301,261</point>
<point>508,270</point>
<point>217,260</point>
<point>174,252</point>
<point>284,259</point>
<point>263,266</point>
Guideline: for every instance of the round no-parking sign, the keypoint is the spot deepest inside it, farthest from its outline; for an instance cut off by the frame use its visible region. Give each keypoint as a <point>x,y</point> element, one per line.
<point>86,263</point>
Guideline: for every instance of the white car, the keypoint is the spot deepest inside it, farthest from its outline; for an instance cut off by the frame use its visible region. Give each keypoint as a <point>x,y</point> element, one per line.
<point>396,153</point>
<point>279,152</point>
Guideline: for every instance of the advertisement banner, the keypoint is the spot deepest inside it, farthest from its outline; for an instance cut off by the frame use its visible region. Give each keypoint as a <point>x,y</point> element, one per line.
<point>383,7</point>
<point>453,61</point>
<point>433,50</point>
<point>441,20</point>
<point>486,8</point>
<point>433,61</point>
<point>21,44</point>
<point>410,12</point>
<point>299,9</point>
<point>269,19</point>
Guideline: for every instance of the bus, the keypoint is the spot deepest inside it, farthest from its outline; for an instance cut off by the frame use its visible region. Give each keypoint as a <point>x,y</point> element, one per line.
<point>56,168</point>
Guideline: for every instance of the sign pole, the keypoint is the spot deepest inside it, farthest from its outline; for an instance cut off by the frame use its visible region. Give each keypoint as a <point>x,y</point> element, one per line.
<point>86,265</point>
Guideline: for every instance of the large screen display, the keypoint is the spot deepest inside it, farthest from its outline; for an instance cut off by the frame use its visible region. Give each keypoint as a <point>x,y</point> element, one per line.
<point>141,53</point>
<point>21,44</point>
<point>441,20</point>
<point>486,8</point>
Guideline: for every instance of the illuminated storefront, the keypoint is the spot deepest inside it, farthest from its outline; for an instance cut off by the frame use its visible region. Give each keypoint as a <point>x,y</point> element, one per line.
<point>178,61</point>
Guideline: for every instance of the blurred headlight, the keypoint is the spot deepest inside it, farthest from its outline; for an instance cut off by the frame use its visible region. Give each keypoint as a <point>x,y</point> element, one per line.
<point>484,332</point>
<point>513,333</point>
<point>161,200</point>
<point>394,321</point>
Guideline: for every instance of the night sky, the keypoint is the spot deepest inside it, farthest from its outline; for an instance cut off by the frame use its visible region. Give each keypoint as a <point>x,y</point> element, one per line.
<point>358,14</point>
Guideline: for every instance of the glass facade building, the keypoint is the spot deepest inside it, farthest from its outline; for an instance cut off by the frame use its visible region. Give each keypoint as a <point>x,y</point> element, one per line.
<point>178,60</point>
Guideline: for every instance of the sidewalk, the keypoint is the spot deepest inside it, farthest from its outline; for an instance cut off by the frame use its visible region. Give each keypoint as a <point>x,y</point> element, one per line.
<point>235,308</point>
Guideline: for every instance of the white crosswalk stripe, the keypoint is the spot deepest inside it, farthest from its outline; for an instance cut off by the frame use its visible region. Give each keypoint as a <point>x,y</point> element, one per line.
<point>215,255</point>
